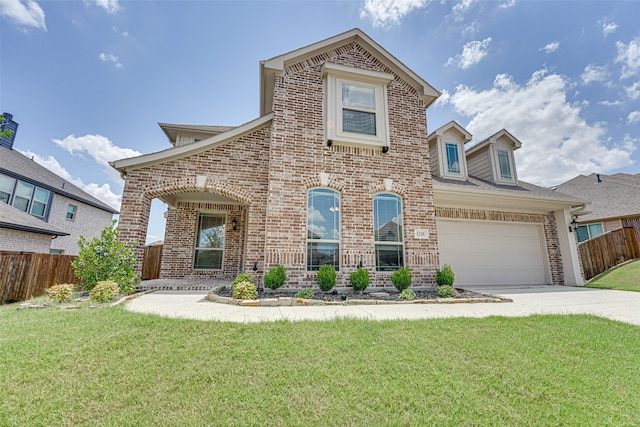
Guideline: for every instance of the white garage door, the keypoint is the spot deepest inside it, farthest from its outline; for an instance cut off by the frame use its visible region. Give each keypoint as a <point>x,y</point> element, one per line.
<point>493,253</point>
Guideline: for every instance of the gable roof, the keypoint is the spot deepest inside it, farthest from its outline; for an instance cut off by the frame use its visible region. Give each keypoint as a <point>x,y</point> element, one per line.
<point>15,219</point>
<point>493,139</point>
<point>273,67</point>
<point>614,196</point>
<point>451,125</point>
<point>20,166</point>
<point>172,130</point>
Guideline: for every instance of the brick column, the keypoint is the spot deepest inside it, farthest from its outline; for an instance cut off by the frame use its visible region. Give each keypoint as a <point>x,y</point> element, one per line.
<point>134,218</point>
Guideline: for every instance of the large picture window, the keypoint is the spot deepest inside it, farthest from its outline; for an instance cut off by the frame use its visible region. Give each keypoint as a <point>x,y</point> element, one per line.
<point>24,196</point>
<point>210,241</point>
<point>388,232</point>
<point>323,228</point>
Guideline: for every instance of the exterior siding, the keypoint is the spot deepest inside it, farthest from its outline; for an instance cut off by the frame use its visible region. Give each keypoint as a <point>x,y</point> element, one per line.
<point>434,158</point>
<point>25,241</point>
<point>479,165</point>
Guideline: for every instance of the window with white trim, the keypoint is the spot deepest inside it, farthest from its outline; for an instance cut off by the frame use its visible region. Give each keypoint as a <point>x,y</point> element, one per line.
<point>589,231</point>
<point>504,167</point>
<point>210,241</point>
<point>453,158</point>
<point>323,228</point>
<point>388,232</point>
<point>356,107</point>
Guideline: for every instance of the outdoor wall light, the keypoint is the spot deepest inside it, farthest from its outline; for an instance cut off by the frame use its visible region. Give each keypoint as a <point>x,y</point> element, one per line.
<point>234,224</point>
<point>255,266</point>
<point>573,225</point>
<point>360,264</point>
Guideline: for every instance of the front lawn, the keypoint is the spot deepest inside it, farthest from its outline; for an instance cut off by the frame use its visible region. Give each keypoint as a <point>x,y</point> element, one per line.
<point>112,367</point>
<point>624,278</point>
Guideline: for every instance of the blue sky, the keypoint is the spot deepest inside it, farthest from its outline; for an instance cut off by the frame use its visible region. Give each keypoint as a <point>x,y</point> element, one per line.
<point>88,80</point>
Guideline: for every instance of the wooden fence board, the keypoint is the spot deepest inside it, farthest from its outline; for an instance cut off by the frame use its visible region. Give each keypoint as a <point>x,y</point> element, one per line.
<point>151,262</point>
<point>608,250</point>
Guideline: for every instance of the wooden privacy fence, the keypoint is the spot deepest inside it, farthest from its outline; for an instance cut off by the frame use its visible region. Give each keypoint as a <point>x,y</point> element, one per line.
<point>608,250</point>
<point>26,275</point>
<point>151,262</point>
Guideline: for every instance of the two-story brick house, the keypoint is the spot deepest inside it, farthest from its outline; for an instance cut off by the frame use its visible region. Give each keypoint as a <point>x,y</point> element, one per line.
<point>339,169</point>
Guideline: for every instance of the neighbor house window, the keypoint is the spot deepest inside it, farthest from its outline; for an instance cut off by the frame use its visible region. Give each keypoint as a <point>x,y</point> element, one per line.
<point>356,105</point>
<point>589,231</point>
<point>388,232</point>
<point>453,158</point>
<point>71,212</point>
<point>6,188</point>
<point>323,228</point>
<point>40,202</point>
<point>24,196</point>
<point>21,200</point>
<point>210,241</point>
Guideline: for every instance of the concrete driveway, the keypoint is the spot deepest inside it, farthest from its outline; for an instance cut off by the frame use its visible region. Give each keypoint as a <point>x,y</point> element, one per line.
<point>616,305</point>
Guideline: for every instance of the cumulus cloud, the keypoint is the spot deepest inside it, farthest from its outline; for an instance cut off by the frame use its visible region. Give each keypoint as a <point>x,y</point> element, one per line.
<point>507,4</point>
<point>384,13</point>
<point>551,47</point>
<point>443,98</point>
<point>633,91</point>
<point>557,143</point>
<point>110,6</point>
<point>101,192</point>
<point>616,103</point>
<point>608,27</point>
<point>24,13</point>
<point>594,73</point>
<point>472,53</point>
<point>110,57</point>
<point>633,117</point>
<point>629,56</point>
<point>461,8</point>
<point>99,148</point>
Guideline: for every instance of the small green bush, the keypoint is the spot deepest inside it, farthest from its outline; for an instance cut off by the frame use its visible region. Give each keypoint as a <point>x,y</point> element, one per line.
<point>104,291</point>
<point>359,279</point>
<point>275,277</point>
<point>304,293</point>
<point>61,293</point>
<point>326,277</point>
<point>445,291</point>
<point>407,295</point>
<point>245,290</point>
<point>401,279</point>
<point>243,277</point>
<point>445,276</point>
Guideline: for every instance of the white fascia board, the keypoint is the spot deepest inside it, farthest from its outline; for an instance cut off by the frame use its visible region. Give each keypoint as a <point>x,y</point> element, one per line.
<point>451,125</point>
<point>173,153</point>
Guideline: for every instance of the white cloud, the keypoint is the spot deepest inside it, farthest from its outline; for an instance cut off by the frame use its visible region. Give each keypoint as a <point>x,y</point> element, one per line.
<point>616,103</point>
<point>24,13</point>
<point>551,47</point>
<point>608,27</point>
<point>109,57</point>
<point>633,91</point>
<point>461,8</point>
<point>102,193</point>
<point>110,6</point>
<point>443,98</point>
<point>386,12</point>
<point>557,143</point>
<point>472,53</point>
<point>99,148</point>
<point>629,55</point>
<point>594,73</point>
<point>633,117</point>
<point>507,4</point>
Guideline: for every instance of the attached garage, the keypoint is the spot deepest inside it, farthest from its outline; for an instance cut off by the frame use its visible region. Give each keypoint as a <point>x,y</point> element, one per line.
<point>490,253</point>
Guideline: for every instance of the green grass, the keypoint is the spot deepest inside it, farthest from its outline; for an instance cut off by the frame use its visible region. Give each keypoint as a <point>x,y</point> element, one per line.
<point>112,367</point>
<point>623,278</point>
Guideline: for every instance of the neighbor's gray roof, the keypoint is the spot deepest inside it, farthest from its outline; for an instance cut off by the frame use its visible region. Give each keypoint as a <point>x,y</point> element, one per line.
<point>616,196</point>
<point>15,219</point>
<point>14,163</point>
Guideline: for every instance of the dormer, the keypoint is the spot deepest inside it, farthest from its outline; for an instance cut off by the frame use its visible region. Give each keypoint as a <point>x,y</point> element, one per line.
<point>446,151</point>
<point>492,159</point>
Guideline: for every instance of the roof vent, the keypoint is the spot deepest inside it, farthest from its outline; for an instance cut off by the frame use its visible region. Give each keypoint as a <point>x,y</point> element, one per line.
<point>599,179</point>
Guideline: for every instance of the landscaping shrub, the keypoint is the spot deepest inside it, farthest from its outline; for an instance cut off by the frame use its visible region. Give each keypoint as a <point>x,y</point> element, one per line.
<point>407,295</point>
<point>245,290</point>
<point>445,291</point>
<point>275,277</point>
<point>62,292</point>
<point>304,293</point>
<point>326,277</point>
<point>401,279</point>
<point>243,277</point>
<point>444,276</point>
<point>359,279</point>
<point>104,291</point>
<point>106,258</point>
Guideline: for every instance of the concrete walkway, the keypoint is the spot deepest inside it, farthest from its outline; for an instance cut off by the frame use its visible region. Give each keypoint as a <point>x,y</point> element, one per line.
<point>616,305</point>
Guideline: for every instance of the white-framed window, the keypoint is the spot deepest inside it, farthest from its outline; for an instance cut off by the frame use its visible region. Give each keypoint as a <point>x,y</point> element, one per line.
<point>210,236</point>
<point>356,107</point>
<point>323,228</point>
<point>503,161</point>
<point>71,212</point>
<point>589,231</point>
<point>388,231</point>
<point>453,158</point>
<point>24,196</point>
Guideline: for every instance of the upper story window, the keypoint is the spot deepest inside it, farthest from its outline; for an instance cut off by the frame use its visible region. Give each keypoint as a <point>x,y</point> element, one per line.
<point>388,232</point>
<point>24,196</point>
<point>323,228</point>
<point>453,158</point>
<point>71,212</point>
<point>210,241</point>
<point>503,161</point>
<point>356,107</point>
<point>505,166</point>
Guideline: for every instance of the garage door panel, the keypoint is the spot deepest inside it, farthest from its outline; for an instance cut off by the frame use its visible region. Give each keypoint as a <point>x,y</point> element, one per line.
<point>490,253</point>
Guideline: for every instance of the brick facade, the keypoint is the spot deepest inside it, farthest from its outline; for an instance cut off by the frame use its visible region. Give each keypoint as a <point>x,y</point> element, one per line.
<point>17,240</point>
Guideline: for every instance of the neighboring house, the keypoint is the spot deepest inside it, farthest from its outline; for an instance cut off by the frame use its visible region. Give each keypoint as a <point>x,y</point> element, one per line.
<point>38,205</point>
<point>615,202</point>
<point>339,169</point>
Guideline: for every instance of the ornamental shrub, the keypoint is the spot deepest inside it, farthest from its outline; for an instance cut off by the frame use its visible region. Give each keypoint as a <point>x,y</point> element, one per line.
<point>401,279</point>
<point>326,277</point>
<point>243,277</point>
<point>445,276</point>
<point>245,290</point>
<point>275,277</point>
<point>61,293</point>
<point>106,258</point>
<point>104,291</point>
<point>306,293</point>
<point>407,295</point>
<point>445,291</point>
<point>359,279</point>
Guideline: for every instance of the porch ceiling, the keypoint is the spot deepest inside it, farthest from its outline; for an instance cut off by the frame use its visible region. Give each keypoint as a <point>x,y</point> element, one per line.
<point>199,197</point>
